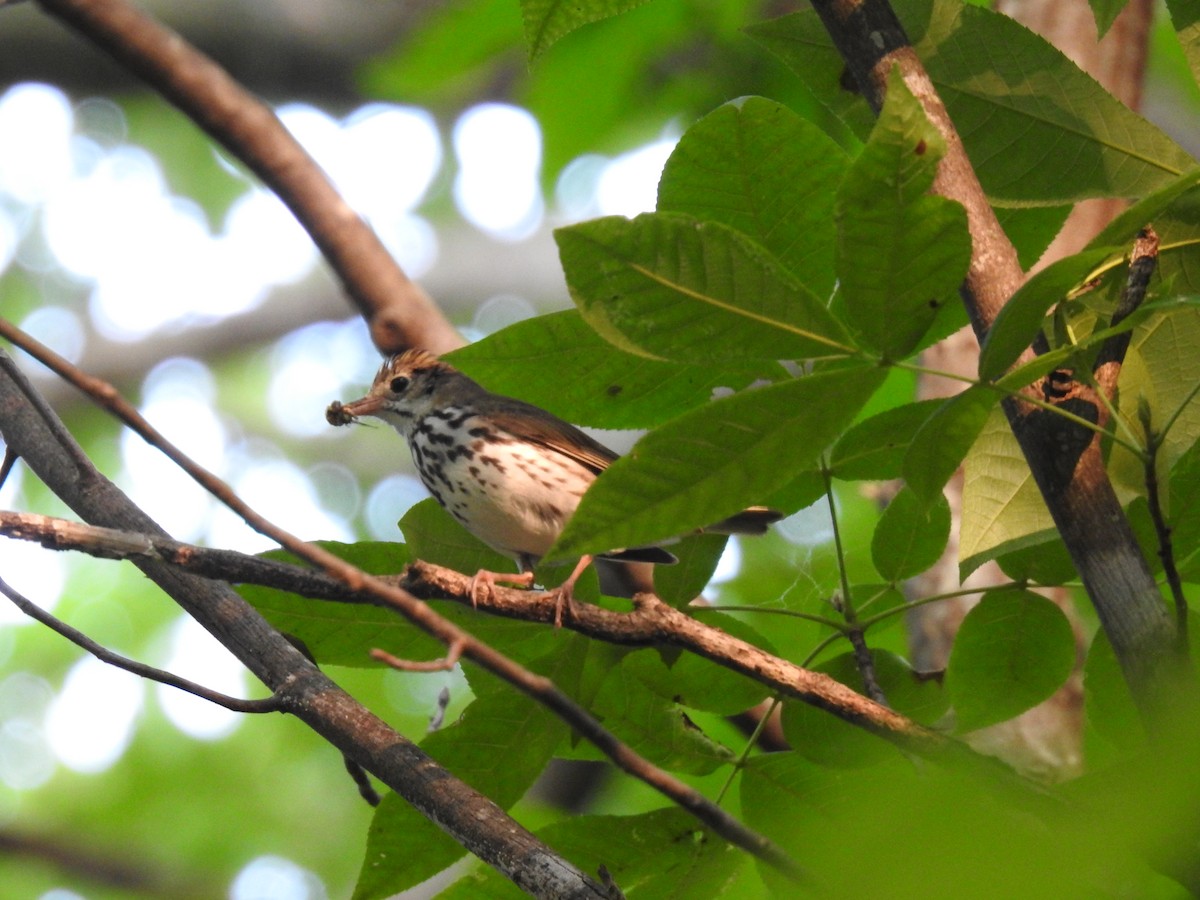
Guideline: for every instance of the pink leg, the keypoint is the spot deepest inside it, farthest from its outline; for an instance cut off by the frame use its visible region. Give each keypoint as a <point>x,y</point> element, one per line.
<point>565,592</point>
<point>489,579</point>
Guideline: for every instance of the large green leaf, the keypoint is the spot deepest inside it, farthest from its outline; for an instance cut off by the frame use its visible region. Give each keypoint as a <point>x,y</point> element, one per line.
<point>548,20</point>
<point>874,448</point>
<point>710,463</point>
<point>757,167</point>
<point>655,727</point>
<point>557,362</point>
<point>1013,650</point>
<point>1185,16</point>
<point>901,252</point>
<point>1003,509</point>
<point>698,683</point>
<point>830,741</point>
<point>663,853</point>
<point>666,285</point>
<point>1007,105</point>
<point>1160,374</point>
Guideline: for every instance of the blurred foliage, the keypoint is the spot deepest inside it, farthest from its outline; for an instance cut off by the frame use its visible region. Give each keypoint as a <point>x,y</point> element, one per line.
<point>749,196</point>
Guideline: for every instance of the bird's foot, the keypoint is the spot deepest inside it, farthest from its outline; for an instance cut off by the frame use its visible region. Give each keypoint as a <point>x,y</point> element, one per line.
<point>489,579</point>
<point>564,594</point>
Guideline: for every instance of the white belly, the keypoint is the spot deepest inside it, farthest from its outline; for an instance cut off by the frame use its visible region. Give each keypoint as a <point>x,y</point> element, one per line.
<point>513,496</point>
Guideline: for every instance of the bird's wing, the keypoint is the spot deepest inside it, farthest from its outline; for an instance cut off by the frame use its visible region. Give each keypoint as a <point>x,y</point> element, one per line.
<point>535,425</point>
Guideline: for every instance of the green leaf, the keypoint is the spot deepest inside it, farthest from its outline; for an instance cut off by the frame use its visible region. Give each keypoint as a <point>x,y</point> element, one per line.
<point>343,634</point>
<point>757,167</point>
<point>1031,228</point>
<point>1162,367</point>
<point>1021,318</point>
<point>605,387</point>
<point>1108,705</point>
<point>698,557</point>
<point>1045,563</point>
<point>548,20</point>
<point>1185,16</point>
<point>435,537</point>
<point>1105,11</point>
<point>695,682</point>
<point>712,462</point>
<point>1088,143</point>
<point>664,853</point>
<point>874,448</point>
<point>499,746</point>
<point>655,727</point>
<point>901,252</point>
<point>385,872</point>
<point>910,536</point>
<point>1183,511</point>
<point>668,286</point>
<point>1003,509</point>
<point>1013,650</point>
<point>941,444</point>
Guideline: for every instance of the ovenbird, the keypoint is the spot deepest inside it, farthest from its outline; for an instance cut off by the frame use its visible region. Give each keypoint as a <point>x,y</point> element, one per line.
<point>511,473</point>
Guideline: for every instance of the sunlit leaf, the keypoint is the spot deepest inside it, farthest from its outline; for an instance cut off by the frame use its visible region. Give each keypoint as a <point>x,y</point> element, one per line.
<point>1004,104</point>
<point>1003,509</point>
<point>1021,318</point>
<point>942,442</point>
<point>757,167</point>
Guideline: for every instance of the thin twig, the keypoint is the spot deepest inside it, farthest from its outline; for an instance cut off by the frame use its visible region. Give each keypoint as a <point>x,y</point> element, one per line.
<point>235,704</point>
<point>445,664</point>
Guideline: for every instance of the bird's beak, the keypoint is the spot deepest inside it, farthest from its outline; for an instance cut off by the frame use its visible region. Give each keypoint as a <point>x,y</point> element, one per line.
<point>366,406</point>
<point>344,414</point>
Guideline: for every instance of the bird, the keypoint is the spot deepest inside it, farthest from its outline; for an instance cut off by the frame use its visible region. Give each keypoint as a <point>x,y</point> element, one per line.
<point>509,472</point>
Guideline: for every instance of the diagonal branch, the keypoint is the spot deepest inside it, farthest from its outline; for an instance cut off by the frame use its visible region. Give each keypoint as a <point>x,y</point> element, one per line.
<point>397,310</point>
<point>79,639</point>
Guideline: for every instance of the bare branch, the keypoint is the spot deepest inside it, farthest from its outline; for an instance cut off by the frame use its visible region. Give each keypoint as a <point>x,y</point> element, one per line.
<point>395,308</point>
<point>79,639</point>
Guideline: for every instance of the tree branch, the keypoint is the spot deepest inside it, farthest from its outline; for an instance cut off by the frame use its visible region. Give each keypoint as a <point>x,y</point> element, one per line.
<point>79,639</point>
<point>398,312</point>
<point>650,623</point>
<point>1075,484</point>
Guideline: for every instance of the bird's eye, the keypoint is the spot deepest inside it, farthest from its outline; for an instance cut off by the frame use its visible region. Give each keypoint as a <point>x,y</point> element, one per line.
<point>399,384</point>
